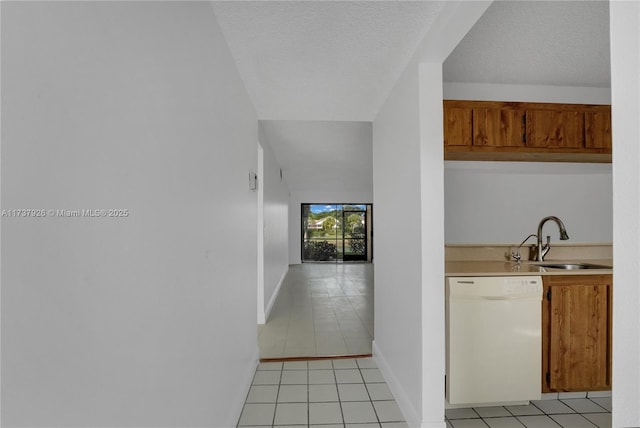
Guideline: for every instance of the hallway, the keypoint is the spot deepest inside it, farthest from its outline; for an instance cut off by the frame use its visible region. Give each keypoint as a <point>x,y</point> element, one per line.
<point>323,309</point>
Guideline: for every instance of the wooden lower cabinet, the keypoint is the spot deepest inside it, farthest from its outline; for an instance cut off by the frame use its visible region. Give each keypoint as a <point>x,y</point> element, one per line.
<point>576,333</point>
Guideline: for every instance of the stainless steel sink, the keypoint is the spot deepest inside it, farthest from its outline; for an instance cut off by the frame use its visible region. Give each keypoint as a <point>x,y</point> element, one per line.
<point>572,266</point>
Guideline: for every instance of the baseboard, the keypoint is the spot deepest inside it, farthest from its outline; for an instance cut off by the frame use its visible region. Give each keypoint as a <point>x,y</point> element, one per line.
<point>274,296</point>
<point>245,382</point>
<point>411,415</point>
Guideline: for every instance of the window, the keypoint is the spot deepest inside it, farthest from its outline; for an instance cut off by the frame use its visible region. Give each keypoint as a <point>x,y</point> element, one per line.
<point>336,232</point>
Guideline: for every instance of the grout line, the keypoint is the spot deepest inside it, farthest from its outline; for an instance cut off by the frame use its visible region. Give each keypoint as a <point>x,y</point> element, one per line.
<point>275,409</point>
<point>308,398</point>
<point>598,404</point>
<point>335,378</point>
<point>548,415</point>
<point>586,419</point>
<point>364,383</point>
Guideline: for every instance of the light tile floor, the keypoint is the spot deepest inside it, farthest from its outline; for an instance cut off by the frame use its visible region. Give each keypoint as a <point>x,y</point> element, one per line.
<point>327,310</point>
<point>323,309</point>
<point>555,413</point>
<point>345,393</point>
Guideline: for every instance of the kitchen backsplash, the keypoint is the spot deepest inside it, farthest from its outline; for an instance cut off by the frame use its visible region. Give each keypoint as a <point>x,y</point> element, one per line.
<point>559,251</point>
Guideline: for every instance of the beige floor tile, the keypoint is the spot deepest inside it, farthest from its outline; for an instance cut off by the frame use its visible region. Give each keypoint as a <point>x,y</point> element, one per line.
<point>353,392</point>
<point>295,365</point>
<point>604,402</point>
<point>270,366</point>
<point>346,363</point>
<point>321,377</point>
<point>372,375</point>
<point>262,394</point>
<point>266,377</point>
<point>348,376</point>
<point>601,420</point>
<point>316,300</point>
<point>325,413</point>
<point>323,393</point>
<point>388,411</point>
<point>293,394</point>
<point>583,405</point>
<point>291,413</point>
<point>367,363</point>
<point>379,391</point>
<point>257,414</point>
<point>358,412</point>
<point>294,377</point>
<point>538,421</point>
<point>503,422</point>
<point>320,365</point>
<point>572,420</point>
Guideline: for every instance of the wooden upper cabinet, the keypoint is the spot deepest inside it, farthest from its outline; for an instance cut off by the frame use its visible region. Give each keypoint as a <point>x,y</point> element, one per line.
<point>498,127</point>
<point>520,131</point>
<point>597,130</point>
<point>457,126</point>
<point>555,128</point>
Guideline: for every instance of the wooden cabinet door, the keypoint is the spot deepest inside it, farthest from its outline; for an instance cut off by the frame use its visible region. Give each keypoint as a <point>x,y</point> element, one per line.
<point>555,128</point>
<point>521,131</point>
<point>498,127</point>
<point>579,343</point>
<point>597,129</point>
<point>457,126</point>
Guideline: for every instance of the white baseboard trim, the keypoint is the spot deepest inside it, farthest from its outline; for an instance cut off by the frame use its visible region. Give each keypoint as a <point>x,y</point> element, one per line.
<point>245,382</point>
<point>274,296</point>
<point>410,413</point>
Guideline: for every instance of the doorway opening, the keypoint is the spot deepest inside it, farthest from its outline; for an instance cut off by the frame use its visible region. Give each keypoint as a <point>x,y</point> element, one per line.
<point>336,232</point>
<point>325,306</point>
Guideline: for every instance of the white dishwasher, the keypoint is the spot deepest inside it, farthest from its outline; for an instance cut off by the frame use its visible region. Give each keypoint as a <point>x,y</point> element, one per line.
<point>493,340</point>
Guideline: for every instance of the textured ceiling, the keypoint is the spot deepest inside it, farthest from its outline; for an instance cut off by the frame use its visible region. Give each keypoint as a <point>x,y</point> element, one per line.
<point>322,155</point>
<point>322,60</point>
<point>315,70</point>
<point>558,43</point>
<point>317,73</point>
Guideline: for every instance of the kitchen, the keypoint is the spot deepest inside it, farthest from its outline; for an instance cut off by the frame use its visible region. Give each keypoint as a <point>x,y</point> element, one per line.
<point>490,208</point>
<point>431,273</point>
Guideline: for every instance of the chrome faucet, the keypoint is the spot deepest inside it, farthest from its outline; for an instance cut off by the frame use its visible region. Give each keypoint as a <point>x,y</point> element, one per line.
<point>516,254</point>
<point>544,249</point>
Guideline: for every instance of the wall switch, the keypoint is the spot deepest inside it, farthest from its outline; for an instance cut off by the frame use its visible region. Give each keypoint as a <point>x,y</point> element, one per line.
<point>253,180</point>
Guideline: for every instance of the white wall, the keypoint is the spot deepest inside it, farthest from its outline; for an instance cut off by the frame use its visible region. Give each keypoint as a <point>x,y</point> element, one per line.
<point>528,93</point>
<point>408,220</point>
<point>503,202</point>
<point>275,226</point>
<point>397,231</point>
<point>625,94</point>
<point>310,197</point>
<point>147,320</point>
